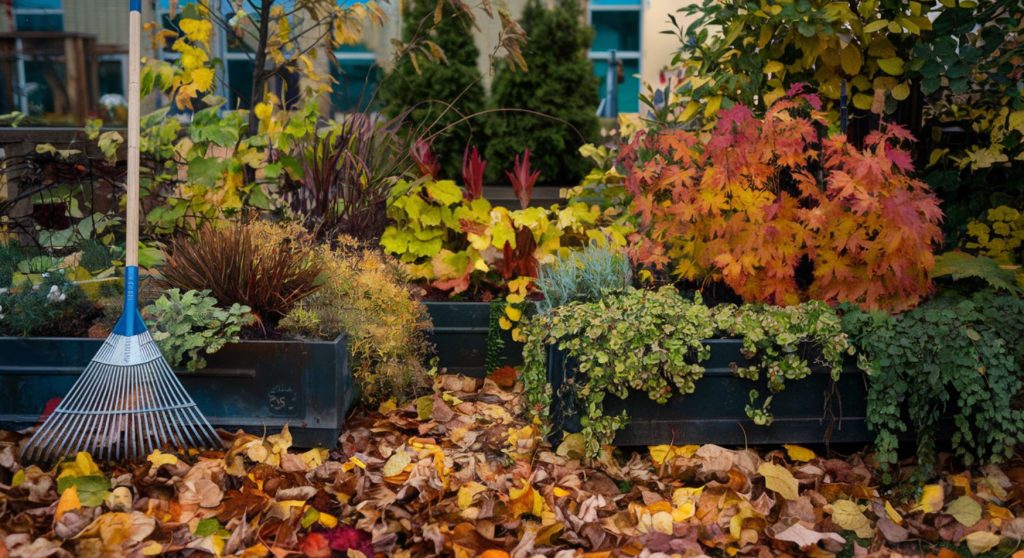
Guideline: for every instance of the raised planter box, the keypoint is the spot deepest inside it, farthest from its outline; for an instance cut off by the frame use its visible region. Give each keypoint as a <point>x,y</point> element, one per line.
<point>460,335</point>
<point>258,386</point>
<point>812,410</point>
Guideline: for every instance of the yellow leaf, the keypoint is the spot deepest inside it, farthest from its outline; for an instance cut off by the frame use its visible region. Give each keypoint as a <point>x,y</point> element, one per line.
<point>851,59</point>
<point>387,407</point>
<point>848,515</point>
<point>560,492</point>
<point>82,466</point>
<point>774,67</point>
<point>894,515</point>
<point>686,495</point>
<point>263,111</point>
<point>736,523</point>
<point>892,66</point>
<point>862,101</point>
<point>396,463</point>
<point>901,91</point>
<point>152,548</point>
<point>327,520</point>
<point>513,313</point>
<point>525,499</point>
<point>202,78</point>
<point>980,542</point>
<point>690,111</point>
<point>665,452</point>
<point>966,510</point>
<point>931,500</point>
<point>158,458</point>
<point>18,479</point>
<point>684,512</point>
<point>197,30</point>
<point>467,491</point>
<point>779,480</point>
<point>68,502</point>
<point>314,457</point>
<point>799,453</point>
<point>877,25</point>
<point>714,103</point>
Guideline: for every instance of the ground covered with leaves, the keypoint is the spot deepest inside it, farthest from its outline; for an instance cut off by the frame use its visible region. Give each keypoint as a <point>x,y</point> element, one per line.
<point>458,473</point>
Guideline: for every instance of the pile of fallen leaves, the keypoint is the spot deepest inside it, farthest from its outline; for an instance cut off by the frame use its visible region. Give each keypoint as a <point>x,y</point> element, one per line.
<point>458,473</point>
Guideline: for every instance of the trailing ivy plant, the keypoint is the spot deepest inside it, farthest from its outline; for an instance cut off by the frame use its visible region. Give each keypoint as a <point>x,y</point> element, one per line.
<point>187,326</point>
<point>653,341</point>
<point>953,358</point>
<point>777,342</point>
<point>633,340</point>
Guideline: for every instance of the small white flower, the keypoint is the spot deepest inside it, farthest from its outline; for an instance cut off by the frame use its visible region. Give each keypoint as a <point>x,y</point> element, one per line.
<point>46,274</point>
<point>4,291</point>
<point>55,295</point>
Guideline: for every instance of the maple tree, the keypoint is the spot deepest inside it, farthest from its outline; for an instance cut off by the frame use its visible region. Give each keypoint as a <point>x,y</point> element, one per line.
<point>748,202</point>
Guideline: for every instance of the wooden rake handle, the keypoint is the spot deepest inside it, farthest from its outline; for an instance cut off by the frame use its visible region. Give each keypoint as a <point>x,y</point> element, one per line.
<point>134,57</point>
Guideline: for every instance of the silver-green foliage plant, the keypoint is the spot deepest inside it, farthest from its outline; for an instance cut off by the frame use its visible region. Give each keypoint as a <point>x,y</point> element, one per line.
<point>187,326</point>
<point>584,276</point>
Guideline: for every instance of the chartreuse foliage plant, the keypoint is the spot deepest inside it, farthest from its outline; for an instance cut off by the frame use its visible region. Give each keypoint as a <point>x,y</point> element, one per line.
<point>1000,236</point>
<point>653,341</point>
<point>187,326</point>
<point>749,202</point>
<point>956,358</point>
<point>457,242</point>
<point>367,296</point>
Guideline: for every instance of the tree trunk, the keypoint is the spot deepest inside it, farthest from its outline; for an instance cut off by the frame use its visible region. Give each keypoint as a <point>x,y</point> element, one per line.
<point>259,74</point>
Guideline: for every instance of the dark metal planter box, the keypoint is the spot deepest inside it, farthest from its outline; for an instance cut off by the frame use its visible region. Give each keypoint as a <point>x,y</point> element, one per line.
<point>460,335</point>
<point>256,385</point>
<point>812,410</point>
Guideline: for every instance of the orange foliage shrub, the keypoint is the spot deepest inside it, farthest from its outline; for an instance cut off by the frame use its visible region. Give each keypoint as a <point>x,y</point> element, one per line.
<point>747,202</point>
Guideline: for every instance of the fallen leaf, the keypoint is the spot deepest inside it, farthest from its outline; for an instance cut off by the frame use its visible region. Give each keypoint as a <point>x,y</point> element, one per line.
<point>966,510</point>
<point>662,453</point>
<point>980,542</point>
<point>779,480</point>
<point>158,458</point>
<point>68,502</point>
<point>798,453</point>
<point>120,499</point>
<point>891,531</point>
<point>931,500</point>
<point>804,537</point>
<point>396,464</point>
<point>849,516</point>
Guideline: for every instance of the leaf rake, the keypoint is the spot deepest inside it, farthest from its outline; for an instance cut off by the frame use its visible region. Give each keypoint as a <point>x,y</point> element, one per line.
<point>127,402</point>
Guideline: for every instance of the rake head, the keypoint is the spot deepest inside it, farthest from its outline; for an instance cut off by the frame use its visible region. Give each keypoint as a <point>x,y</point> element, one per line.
<point>126,403</point>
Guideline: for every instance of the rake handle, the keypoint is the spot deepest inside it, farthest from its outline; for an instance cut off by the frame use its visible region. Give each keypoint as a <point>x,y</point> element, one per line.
<point>134,56</point>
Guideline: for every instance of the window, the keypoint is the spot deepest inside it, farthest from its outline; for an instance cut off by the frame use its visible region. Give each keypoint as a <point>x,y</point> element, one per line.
<point>357,77</point>
<point>617,31</point>
<point>38,15</point>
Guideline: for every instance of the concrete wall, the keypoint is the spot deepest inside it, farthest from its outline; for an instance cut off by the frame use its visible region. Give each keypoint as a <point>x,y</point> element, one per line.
<point>657,48</point>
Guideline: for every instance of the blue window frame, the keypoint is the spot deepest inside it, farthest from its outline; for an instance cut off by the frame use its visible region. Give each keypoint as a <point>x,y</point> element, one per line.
<point>617,27</point>
<point>38,15</point>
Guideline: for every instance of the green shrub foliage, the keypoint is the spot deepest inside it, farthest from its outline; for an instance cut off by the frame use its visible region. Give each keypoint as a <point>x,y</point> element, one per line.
<point>952,356</point>
<point>55,307</point>
<point>438,93</point>
<point>560,85</point>
<point>187,326</point>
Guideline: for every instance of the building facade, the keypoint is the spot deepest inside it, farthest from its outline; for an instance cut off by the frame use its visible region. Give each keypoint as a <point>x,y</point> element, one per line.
<point>39,75</point>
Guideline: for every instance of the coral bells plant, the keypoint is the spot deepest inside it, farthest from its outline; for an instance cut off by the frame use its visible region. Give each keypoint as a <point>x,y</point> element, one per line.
<point>749,202</point>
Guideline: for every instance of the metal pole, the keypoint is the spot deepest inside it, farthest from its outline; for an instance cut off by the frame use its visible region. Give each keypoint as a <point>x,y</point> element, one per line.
<point>612,85</point>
